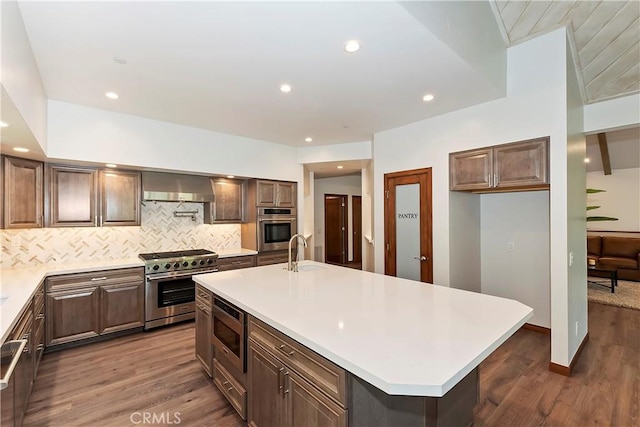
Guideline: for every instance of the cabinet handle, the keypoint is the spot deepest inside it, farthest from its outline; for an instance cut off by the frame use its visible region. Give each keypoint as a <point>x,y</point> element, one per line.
<point>96,279</point>
<point>236,262</point>
<point>282,348</point>
<point>20,344</point>
<point>225,383</point>
<point>495,180</point>
<point>40,347</point>
<point>287,381</point>
<point>40,316</point>
<point>225,350</point>
<point>280,379</point>
<point>101,221</point>
<point>230,388</point>
<point>95,220</point>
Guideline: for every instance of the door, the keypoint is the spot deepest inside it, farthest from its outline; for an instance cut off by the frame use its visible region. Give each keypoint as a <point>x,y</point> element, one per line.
<point>72,315</point>
<point>356,213</point>
<point>120,198</point>
<point>335,228</point>
<point>265,383</point>
<point>306,406</point>
<point>408,225</point>
<point>121,307</point>
<point>73,197</point>
<point>23,193</point>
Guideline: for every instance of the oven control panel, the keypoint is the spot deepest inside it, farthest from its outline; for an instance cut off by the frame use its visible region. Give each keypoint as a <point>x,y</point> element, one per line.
<point>181,264</point>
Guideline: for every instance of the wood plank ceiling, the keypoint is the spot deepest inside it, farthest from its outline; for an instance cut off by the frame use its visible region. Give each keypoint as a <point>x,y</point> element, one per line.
<point>605,36</point>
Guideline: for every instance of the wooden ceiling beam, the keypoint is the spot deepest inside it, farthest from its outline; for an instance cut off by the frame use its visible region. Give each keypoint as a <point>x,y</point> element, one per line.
<point>604,153</point>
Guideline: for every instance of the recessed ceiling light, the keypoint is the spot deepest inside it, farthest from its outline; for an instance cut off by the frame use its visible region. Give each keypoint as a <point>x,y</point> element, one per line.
<point>111,95</point>
<point>111,165</point>
<point>340,167</point>
<point>352,46</point>
<point>428,97</point>
<point>230,176</point>
<point>285,88</point>
<point>4,125</point>
<point>587,160</point>
<point>119,60</point>
<point>308,139</point>
<point>21,149</point>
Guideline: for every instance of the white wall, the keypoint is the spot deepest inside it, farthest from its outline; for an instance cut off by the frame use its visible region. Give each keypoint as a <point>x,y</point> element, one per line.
<point>520,272</point>
<point>336,152</point>
<point>621,199</point>
<point>535,106</point>
<point>348,185</point>
<point>612,114</point>
<point>93,135</point>
<point>19,73</point>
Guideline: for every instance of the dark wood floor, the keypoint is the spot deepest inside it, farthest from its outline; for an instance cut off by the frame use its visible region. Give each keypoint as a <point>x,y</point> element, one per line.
<point>105,384</point>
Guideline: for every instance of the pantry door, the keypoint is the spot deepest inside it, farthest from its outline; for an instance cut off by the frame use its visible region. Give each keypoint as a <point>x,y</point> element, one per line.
<point>408,225</point>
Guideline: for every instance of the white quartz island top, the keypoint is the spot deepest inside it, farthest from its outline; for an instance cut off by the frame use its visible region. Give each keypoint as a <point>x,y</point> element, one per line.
<point>403,337</point>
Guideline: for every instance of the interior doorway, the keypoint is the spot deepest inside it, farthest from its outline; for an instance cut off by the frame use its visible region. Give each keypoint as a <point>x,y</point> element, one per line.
<point>335,228</point>
<point>408,227</point>
<point>356,221</point>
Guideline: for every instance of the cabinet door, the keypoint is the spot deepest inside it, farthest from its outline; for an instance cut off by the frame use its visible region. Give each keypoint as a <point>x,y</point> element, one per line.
<point>121,307</point>
<point>521,164</point>
<point>230,201</point>
<point>204,350</point>
<point>73,197</point>
<point>306,406</point>
<point>265,376</point>
<point>72,315</point>
<point>471,170</point>
<point>286,197</point>
<point>120,198</point>
<point>266,193</point>
<point>23,193</point>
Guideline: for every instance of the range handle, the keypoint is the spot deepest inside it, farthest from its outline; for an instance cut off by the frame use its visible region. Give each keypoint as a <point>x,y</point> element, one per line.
<point>17,347</point>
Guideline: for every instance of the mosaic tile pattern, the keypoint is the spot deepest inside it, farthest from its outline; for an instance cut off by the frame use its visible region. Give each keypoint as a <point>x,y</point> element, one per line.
<point>160,231</point>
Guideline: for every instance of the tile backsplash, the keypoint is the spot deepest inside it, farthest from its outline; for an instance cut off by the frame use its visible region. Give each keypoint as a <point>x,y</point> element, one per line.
<point>160,231</point>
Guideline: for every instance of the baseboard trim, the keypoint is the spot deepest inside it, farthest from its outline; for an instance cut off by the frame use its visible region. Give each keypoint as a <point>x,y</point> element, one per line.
<point>536,328</point>
<point>566,370</point>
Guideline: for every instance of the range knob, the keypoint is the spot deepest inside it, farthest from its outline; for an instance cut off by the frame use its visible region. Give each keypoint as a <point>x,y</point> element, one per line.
<point>155,267</point>
<point>176,265</point>
<point>167,266</point>
<point>184,264</point>
<point>201,262</point>
<point>194,262</point>
<point>209,261</point>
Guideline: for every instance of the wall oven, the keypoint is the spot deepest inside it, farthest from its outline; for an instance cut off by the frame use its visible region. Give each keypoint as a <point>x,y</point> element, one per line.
<point>275,226</point>
<point>229,333</point>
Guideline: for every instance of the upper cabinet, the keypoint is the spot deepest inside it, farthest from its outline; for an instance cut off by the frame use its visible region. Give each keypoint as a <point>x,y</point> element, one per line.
<point>276,194</point>
<point>230,202</point>
<point>22,193</point>
<point>82,197</point>
<point>517,166</point>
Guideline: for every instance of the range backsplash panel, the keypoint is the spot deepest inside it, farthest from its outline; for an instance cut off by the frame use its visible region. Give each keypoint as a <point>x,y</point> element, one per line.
<point>160,231</point>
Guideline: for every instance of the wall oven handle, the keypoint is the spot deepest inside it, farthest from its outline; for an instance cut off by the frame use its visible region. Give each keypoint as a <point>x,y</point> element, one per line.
<point>18,346</point>
<point>276,220</point>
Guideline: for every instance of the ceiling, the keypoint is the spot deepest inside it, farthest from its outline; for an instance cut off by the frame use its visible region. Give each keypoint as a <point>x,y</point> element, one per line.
<point>219,65</point>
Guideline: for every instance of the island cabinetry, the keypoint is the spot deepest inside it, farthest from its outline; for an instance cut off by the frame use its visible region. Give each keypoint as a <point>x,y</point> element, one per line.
<point>231,388</point>
<point>88,305</point>
<point>279,194</point>
<point>22,193</point>
<point>204,328</point>
<point>291,385</point>
<point>85,197</point>
<point>274,257</point>
<point>516,166</point>
<point>237,262</point>
<point>230,201</point>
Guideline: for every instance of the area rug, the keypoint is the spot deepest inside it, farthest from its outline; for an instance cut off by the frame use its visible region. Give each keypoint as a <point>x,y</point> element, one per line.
<point>627,294</point>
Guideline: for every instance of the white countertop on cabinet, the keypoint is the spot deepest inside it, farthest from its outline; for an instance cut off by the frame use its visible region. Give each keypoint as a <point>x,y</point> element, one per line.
<point>403,337</point>
<point>18,285</point>
<point>228,253</point>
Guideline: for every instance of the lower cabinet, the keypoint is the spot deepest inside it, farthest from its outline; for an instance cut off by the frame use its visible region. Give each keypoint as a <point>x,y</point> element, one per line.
<point>204,328</point>
<point>237,262</point>
<point>295,388</point>
<point>87,305</point>
<point>274,257</point>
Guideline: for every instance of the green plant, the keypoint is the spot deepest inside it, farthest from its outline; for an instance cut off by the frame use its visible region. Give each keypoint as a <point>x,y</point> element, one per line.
<point>589,208</point>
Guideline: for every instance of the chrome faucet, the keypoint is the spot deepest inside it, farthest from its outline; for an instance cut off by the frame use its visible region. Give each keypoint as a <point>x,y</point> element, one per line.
<point>293,266</point>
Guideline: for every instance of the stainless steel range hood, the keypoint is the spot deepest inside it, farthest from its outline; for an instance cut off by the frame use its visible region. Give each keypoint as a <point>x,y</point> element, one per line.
<point>172,187</point>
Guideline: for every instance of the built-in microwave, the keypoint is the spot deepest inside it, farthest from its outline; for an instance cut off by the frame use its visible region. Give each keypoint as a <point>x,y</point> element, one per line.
<point>275,226</point>
<point>229,333</point>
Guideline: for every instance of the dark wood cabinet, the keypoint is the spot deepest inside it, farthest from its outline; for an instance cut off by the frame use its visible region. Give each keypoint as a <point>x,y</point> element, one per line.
<point>265,376</point>
<point>204,328</point>
<point>306,406</point>
<point>517,166</point>
<point>121,307</point>
<point>22,193</point>
<point>230,201</point>
<point>38,328</point>
<point>88,305</point>
<point>85,197</point>
<point>274,257</point>
<point>276,194</point>
<point>23,372</point>
<point>237,262</point>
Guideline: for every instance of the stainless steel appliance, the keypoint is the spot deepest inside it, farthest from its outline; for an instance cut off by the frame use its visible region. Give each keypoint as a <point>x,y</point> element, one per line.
<point>170,293</point>
<point>229,333</point>
<point>275,227</point>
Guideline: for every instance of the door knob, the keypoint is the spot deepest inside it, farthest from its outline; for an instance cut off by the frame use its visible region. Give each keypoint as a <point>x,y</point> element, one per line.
<point>422,258</point>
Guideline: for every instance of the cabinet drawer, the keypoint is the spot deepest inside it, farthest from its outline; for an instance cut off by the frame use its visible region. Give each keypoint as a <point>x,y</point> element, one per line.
<point>274,258</point>
<point>95,278</point>
<point>237,262</point>
<point>203,296</point>
<point>230,388</point>
<point>325,375</point>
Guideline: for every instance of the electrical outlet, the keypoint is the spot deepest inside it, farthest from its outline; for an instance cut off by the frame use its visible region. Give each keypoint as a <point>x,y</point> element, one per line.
<point>511,246</point>
<point>570,259</point>
<point>577,327</point>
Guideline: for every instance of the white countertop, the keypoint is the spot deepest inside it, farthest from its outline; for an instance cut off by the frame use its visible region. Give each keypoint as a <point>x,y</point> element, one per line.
<point>18,285</point>
<point>402,336</point>
<point>228,253</point>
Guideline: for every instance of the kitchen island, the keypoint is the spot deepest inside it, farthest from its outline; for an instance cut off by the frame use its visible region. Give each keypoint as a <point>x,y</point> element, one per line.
<point>410,349</point>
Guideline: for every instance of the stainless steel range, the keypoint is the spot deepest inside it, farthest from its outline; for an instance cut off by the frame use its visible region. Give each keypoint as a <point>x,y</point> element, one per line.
<point>170,292</point>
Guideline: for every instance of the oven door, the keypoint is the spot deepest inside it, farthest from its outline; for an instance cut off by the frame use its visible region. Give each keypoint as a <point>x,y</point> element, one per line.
<point>169,298</point>
<point>274,233</point>
<point>229,338</point>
